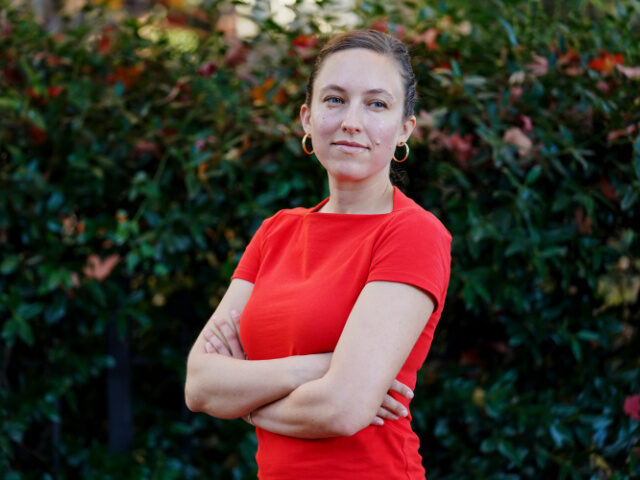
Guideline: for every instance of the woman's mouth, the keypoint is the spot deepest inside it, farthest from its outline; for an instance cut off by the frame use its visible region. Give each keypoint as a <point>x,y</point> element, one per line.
<point>350,147</point>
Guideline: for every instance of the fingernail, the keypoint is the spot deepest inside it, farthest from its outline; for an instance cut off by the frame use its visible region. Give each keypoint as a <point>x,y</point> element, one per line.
<point>410,395</point>
<point>207,332</point>
<point>235,313</point>
<point>404,412</point>
<point>379,421</point>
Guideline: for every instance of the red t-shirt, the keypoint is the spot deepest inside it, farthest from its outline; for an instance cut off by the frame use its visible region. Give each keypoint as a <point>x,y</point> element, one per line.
<point>308,269</point>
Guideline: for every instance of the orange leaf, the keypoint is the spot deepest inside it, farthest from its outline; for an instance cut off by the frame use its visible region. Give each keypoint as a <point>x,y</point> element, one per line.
<point>305,41</point>
<point>606,62</point>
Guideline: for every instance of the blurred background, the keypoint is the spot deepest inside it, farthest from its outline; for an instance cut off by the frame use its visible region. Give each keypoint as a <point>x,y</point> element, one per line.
<point>142,142</point>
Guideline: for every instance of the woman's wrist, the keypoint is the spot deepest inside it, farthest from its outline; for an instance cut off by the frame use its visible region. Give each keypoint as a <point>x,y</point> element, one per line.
<point>309,367</point>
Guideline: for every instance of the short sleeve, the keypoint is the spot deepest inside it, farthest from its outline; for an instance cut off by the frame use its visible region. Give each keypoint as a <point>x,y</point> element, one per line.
<point>415,249</point>
<point>249,264</point>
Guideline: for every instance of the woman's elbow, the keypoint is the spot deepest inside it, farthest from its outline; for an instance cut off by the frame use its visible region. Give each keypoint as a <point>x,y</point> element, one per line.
<point>193,397</point>
<point>199,402</point>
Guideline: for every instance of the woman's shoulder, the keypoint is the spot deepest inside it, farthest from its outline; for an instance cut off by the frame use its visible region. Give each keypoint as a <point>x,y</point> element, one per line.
<point>407,214</point>
<point>287,214</point>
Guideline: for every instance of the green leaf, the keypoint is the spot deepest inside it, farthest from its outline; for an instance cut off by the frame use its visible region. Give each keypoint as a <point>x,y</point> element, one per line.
<point>16,327</point>
<point>37,119</point>
<point>510,32</point>
<point>56,310</point>
<point>28,311</point>
<point>560,435</point>
<point>588,336</point>
<point>629,198</point>
<point>9,104</point>
<point>533,175</point>
<point>9,264</point>
<point>507,449</point>
<point>576,349</point>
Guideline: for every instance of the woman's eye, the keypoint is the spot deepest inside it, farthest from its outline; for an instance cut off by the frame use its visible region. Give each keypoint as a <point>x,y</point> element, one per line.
<point>333,100</point>
<point>378,104</point>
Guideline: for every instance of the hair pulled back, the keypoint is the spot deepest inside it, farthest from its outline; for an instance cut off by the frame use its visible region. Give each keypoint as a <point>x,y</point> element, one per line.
<point>378,42</point>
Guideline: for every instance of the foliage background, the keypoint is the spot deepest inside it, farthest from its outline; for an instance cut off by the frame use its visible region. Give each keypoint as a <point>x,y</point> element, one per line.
<point>138,156</point>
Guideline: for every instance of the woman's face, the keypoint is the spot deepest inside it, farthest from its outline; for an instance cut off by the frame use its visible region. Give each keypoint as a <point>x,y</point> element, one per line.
<point>356,115</point>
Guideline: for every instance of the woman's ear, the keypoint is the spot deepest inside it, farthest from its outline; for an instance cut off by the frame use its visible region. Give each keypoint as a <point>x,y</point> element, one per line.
<point>305,117</point>
<point>407,128</point>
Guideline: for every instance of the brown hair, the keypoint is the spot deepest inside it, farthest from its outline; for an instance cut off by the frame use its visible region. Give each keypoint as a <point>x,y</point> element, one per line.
<point>378,42</point>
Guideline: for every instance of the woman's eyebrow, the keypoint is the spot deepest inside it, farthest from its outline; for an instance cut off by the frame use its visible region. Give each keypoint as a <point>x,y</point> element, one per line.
<point>373,91</point>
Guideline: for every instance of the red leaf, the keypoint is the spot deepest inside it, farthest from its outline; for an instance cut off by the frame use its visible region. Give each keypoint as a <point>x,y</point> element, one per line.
<point>145,146</point>
<point>429,37</point>
<point>584,223</point>
<point>539,66</point>
<point>515,136</point>
<point>99,269</point>
<point>461,147</point>
<point>526,123</point>
<point>38,135</point>
<point>236,54</point>
<point>608,190</point>
<point>632,406</point>
<point>629,72</point>
<point>381,25</point>
<point>129,76</point>
<point>208,68</point>
<point>176,18</point>
<point>55,91</point>
<point>104,45</point>
<point>55,61</point>
<point>629,130</point>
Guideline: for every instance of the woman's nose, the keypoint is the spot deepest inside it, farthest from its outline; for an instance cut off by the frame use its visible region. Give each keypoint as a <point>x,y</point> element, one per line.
<point>351,122</point>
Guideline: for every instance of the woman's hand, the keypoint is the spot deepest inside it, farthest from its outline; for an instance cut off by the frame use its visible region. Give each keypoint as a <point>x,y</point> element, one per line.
<point>392,409</point>
<point>226,340</point>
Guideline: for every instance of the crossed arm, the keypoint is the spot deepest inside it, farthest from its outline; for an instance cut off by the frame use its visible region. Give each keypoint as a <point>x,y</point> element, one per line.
<point>312,396</point>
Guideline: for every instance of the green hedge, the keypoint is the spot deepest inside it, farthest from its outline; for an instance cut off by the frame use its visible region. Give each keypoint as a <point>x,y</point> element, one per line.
<point>134,169</point>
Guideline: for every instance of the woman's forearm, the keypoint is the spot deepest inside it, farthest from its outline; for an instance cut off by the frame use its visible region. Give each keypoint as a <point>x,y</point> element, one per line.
<point>316,410</point>
<point>226,387</point>
<point>301,414</point>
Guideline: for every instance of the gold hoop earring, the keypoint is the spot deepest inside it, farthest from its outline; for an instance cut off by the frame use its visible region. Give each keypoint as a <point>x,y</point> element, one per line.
<point>406,145</point>
<point>304,144</point>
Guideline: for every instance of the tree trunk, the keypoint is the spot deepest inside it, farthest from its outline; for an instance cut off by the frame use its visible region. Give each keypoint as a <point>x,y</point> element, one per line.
<point>119,398</point>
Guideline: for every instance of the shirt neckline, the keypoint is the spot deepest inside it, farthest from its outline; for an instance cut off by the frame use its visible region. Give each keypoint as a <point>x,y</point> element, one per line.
<point>316,213</point>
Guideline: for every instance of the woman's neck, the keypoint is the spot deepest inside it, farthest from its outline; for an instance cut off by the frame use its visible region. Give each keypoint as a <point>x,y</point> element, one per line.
<point>355,198</point>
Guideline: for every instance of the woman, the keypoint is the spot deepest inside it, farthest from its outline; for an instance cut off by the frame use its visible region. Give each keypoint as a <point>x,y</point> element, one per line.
<point>335,306</point>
